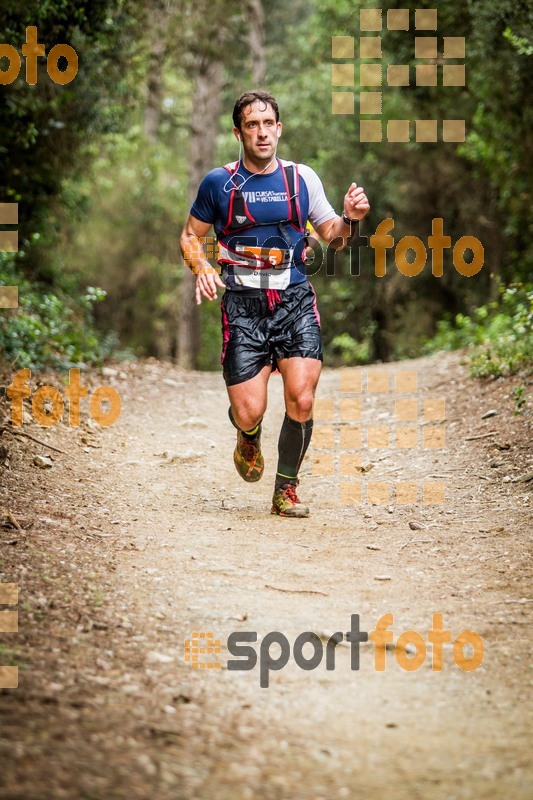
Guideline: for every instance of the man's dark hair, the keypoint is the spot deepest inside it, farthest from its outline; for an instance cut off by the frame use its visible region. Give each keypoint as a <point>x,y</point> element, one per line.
<point>247,99</point>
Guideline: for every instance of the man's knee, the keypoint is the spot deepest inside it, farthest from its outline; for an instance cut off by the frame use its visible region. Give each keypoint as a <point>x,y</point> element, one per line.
<point>301,402</point>
<point>248,414</point>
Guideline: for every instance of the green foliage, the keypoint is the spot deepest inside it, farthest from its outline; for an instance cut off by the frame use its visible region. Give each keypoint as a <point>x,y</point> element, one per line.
<point>499,335</point>
<point>49,329</point>
<point>346,350</point>
<point>519,396</point>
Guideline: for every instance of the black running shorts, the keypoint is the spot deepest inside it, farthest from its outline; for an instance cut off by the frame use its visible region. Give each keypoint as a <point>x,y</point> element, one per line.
<point>256,334</point>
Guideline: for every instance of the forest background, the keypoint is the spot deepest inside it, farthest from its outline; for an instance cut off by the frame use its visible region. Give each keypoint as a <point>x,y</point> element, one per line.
<point>104,170</point>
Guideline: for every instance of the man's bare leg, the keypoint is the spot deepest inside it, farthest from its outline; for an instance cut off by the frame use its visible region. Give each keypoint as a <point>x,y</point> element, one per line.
<point>248,405</point>
<point>300,379</point>
<point>249,400</point>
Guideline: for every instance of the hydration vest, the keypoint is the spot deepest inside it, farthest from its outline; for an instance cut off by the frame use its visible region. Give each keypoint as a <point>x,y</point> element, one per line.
<point>239,217</point>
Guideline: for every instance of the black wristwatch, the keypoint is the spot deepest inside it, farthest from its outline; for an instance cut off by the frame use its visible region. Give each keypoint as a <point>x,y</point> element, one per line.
<point>347,220</point>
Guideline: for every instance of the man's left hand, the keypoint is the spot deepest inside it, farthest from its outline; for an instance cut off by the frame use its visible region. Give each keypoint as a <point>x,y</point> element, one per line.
<point>356,205</point>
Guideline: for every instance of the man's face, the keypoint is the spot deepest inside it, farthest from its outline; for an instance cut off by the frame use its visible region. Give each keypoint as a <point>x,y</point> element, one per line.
<point>259,131</point>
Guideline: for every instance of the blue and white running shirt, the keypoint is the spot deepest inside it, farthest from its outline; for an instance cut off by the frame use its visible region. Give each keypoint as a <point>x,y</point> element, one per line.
<point>263,256</point>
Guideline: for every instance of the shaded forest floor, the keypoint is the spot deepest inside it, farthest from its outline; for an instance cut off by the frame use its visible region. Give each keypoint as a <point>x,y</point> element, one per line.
<point>141,533</point>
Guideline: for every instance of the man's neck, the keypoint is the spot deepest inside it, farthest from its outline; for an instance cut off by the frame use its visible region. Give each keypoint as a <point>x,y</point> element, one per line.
<point>258,166</point>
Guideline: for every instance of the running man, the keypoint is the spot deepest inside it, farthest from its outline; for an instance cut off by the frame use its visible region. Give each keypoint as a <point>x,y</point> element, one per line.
<point>259,207</point>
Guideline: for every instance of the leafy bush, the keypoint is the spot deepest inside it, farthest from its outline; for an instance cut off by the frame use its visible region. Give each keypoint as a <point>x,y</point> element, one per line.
<point>49,329</point>
<point>499,335</point>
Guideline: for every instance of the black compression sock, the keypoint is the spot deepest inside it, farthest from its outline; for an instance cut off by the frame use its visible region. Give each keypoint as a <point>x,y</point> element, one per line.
<point>293,442</point>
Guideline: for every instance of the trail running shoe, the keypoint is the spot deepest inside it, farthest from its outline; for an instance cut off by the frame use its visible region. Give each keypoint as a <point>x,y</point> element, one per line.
<point>285,502</point>
<point>248,458</point>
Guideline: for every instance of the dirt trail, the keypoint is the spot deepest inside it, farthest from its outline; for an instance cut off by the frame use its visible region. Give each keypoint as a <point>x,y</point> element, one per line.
<point>130,551</point>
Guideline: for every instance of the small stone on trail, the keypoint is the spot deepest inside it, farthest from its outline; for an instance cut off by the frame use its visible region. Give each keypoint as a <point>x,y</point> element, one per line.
<point>43,462</point>
<point>417,526</point>
<point>158,658</point>
<point>373,547</point>
<point>492,413</point>
<point>382,577</point>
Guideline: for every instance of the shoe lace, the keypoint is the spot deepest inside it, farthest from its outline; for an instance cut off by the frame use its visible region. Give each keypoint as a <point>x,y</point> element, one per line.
<point>290,493</point>
<point>248,449</point>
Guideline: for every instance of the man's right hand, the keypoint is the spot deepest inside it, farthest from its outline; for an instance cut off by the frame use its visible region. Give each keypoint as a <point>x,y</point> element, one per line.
<point>206,283</point>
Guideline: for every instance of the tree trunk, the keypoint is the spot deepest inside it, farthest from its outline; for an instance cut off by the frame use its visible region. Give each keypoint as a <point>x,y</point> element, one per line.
<point>256,40</point>
<point>154,79</point>
<point>206,110</point>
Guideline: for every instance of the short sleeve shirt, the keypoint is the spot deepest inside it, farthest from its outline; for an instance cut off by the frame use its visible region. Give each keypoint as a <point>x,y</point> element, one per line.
<point>267,202</point>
